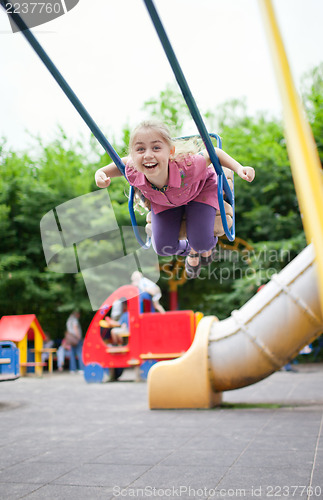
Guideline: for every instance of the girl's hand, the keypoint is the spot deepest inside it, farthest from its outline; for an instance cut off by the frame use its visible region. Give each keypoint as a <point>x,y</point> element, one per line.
<point>246,173</point>
<point>101,180</point>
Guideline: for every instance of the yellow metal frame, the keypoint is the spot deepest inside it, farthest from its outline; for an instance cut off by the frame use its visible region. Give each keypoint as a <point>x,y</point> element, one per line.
<point>22,346</point>
<point>38,345</point>
<point>305,163</point>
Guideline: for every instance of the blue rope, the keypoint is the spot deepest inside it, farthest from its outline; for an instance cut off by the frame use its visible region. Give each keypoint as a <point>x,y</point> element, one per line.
<point>194,112</point>
<point>102,139</point>
<point>81,110</point>
<point>135,228</point>
<point>65,87</point>
<point>220,189</point>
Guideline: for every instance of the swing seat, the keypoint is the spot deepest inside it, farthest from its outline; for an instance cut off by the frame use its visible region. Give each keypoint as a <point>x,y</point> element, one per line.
<point>218,226</point>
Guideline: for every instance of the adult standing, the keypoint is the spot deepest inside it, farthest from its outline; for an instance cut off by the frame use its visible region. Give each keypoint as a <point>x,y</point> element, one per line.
<point>73,338</point>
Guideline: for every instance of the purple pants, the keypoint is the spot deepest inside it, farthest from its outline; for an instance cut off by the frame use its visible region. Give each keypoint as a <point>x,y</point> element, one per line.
<point>199,229</point>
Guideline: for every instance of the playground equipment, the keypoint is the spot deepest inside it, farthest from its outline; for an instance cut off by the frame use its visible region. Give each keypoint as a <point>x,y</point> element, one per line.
<point>195,380</point>
<point>24,330</point>
<point>286,314</point>
<point>9,361</point>
<point>264,335</point>
<point>152,337</point>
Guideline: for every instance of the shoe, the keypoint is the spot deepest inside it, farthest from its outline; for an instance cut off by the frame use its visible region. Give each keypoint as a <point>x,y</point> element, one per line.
<point>205,261</point>
<point>192,271</point>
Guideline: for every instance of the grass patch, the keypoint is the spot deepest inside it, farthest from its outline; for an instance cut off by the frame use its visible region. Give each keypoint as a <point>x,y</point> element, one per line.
<point>250,406</point>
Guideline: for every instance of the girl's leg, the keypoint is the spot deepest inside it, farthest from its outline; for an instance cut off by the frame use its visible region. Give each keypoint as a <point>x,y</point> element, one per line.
<point>114,337</point>
<point>165,229</point>
<point>200,226</point>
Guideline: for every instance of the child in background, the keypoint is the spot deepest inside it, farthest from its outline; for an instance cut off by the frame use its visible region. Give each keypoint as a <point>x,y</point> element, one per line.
<point>146,285</point>
<point>120,327</point>
<point>175,182</point>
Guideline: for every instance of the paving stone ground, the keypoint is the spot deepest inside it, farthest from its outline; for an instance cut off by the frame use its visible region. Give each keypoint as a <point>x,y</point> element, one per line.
<point>64,439</point>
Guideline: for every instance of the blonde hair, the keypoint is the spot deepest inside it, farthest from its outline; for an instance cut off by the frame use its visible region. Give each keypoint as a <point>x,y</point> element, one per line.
<point>183,147</point>
<point>186,147</point>
<point>159,127</point>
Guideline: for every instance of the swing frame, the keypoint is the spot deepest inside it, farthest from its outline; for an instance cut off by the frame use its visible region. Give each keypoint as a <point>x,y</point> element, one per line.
<point>223,186</point>
<point>220,190</point>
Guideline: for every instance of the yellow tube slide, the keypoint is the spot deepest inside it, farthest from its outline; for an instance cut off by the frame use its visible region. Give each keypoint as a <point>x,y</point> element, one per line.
<point>269,330</point>
<point>266,333</point>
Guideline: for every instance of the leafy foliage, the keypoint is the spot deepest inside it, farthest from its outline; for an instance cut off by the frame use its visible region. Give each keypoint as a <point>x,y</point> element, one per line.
<point>313,101</point>
<point>170,108</point>
<point>30,188</point>
<point>267,214</point>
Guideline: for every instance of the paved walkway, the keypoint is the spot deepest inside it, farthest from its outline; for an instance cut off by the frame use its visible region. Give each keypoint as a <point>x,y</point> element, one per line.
<point>64,439</point>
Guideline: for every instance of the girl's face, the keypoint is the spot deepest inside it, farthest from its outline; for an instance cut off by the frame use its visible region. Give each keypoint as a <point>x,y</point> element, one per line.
<point>150,154</point>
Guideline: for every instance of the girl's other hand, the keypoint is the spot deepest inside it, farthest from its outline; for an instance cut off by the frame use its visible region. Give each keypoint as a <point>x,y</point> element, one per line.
<point>247,173</point>
<point>101,180</point>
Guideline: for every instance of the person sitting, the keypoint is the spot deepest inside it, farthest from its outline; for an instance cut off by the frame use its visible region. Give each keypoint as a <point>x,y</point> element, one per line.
<point>111,320</point>
<point>48,343</point>
<point>120,328</point>
<point>61,354</point>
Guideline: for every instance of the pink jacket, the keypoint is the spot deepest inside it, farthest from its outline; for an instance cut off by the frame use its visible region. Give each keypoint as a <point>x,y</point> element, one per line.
<point>189,180</point>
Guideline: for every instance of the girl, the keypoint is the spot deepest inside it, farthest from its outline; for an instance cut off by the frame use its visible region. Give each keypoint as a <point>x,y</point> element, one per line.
<point>175,183</point>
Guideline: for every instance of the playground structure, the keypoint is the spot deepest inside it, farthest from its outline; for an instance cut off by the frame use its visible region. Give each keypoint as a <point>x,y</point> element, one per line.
<point>152,337</point>
<point>286,314</point>
<point>264,335</point>
<point>23,330</point>
<point>9,361</point>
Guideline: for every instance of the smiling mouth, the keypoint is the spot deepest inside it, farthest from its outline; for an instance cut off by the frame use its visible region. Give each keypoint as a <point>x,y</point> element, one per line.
<point>150,165</point>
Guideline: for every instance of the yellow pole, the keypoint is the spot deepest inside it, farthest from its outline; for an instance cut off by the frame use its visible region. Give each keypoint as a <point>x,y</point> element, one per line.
<point>38,345</point>
<point>305,162</point>
<point>22,346</point>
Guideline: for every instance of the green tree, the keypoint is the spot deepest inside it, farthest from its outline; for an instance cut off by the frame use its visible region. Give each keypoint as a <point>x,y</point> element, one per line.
<point>170,107</point>
<point>312,84</point>
<point>267,214</point>
<point>30,188</point>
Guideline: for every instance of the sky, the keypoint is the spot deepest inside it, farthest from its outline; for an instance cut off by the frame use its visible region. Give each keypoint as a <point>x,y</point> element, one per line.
<point>109,53</point>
